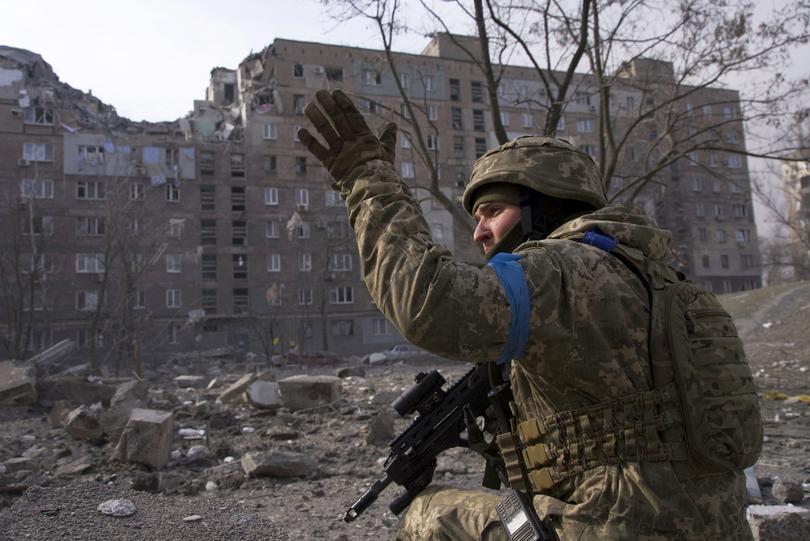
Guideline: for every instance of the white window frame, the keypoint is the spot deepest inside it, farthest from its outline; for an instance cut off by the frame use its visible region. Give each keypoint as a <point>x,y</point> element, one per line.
<point>700,210</point>
<point>172,193</point>
<point>271,196</point>
<point>304,230</point>
<point>174,263</point>
<point>38,152</point>
<point>381,327</point>
<point>176,226</point>
<point>407,170</point>
<point>304,296</point>
<point>273,262</point>
<point>432,113</point>
<point>36,188</point>
<point>296,67</point>
<point>41,116</point>
<point>305,262</point>
<point>405,141</point>
<point>90,226</point>
<point>302,198</point>
<point>405,80</point>
<point>432,141</point>
<point>270,131</point>
<point>272,229</point>
<point>527,120</point>
<point>86,300</point>
<point>505,118</point>
<point>139,301</point>
<point>94,190</point>
<point>331,198</point>
<point>89,263</point>
<point>372,77</point>
<point>585,125</point>
<point>340,262</point>
<point>137,191</point>
<point>341,295</point>
<point>174,298</point>
<point>697,184</point>
<point>429,83</point>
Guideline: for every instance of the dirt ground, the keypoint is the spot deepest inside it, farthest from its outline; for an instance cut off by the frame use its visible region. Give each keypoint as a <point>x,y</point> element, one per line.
<point>69,478</point>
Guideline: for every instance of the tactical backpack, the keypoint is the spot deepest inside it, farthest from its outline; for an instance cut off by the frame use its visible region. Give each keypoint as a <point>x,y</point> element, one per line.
<point>702,414</point>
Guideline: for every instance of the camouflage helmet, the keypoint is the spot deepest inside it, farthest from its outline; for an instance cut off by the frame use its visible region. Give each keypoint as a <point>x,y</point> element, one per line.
<point>547,165</point>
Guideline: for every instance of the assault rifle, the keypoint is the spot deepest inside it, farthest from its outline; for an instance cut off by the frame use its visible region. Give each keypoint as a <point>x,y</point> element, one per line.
<point>442,417</point>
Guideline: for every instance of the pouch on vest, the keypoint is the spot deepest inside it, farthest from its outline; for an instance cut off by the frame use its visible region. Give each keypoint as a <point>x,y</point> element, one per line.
<point>722,423</point>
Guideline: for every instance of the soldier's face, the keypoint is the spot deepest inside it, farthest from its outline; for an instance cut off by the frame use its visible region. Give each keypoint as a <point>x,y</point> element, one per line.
<point>494,222</point>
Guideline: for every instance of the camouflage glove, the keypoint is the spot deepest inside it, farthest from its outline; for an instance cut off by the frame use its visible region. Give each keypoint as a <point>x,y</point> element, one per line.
<point>351,142</point>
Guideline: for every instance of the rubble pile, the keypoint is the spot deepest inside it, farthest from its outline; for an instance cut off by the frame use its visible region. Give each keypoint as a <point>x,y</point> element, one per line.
<point>287,446</point>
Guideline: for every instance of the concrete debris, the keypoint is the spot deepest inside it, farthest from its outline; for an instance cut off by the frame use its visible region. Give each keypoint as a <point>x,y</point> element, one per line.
<point>779,522</point>
<point>58,415</point>
<point>129,391</point>
<point>20,463</point>
<point>191,433</point>
<point>17,384</point>
<point>75,390</point>
<point>193,382</point>
<point>147,438</point>
<point>117,508</point>
<point>192,518</point>
<point>237,388</point>
<point>787,491</point>
<point>53,354</point>
<point>381,429</point>
<point>303,392</point>
<point>351,372</point>
<point>264,394</point>
<point>82,424</point>
<point>74,467</point>
<point>277,464</point>
<point>115,419</point>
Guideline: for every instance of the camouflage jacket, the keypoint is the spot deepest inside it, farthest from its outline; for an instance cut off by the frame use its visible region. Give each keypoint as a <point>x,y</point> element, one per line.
<point>588,342</point>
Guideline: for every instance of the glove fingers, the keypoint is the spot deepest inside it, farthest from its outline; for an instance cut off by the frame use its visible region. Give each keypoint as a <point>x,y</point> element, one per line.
<point>389,137</point>
<point>314,147</point>
<point>322,125</point>
<point>356,121</point>
<point>335,114</point>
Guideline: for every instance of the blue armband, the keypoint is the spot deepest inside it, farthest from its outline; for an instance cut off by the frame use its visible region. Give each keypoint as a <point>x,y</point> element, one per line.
<point>513,280</point>
<point>600,240</point>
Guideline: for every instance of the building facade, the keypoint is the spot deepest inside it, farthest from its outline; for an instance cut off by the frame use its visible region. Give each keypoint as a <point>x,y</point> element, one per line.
<point>139,240</point>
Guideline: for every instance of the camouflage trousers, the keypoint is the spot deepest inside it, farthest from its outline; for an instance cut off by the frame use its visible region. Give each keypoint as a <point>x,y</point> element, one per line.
<point>449,514</point>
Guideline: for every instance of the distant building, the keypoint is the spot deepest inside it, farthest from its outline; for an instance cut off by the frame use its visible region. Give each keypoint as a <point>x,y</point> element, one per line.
<point>143,239</point>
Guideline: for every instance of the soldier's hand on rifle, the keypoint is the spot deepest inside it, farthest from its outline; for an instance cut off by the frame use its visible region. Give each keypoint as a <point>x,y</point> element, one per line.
<point>350,142</point>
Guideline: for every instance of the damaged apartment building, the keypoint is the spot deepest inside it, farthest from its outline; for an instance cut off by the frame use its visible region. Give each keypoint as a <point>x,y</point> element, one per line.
<point>142,239</point>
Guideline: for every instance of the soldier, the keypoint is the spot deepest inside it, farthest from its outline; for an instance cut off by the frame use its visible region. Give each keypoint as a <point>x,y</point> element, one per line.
<point>605,423</point>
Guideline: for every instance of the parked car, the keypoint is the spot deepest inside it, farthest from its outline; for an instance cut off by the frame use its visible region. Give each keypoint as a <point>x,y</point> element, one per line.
<point>400,352</point>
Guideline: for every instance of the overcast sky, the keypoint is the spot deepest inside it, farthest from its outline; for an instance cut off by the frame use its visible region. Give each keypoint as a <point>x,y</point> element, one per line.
<point>151,59</point>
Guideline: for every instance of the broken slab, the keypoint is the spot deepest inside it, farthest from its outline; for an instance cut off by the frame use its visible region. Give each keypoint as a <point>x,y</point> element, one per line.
<point>129,391</point>
<point>264,394</point>
<point>115,419</point>
<point>303,392</point>
<point>82,424</point>
<point>191,382</point>
<point>784,491</point>
<point>277,464</point>
<point>779,522</point>
<point>17,383</point>
<point>237,388</point>
<point>147,438</point>
<point>19,463</point>
<point>53,353</point>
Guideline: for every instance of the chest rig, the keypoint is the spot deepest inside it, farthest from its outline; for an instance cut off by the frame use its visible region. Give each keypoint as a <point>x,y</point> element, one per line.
<point>702,414</point>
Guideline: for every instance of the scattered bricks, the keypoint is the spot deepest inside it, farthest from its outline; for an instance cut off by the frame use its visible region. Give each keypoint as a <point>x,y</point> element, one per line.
<point>191,382</point>
<point>17,384</point>
<point>779,522</point>
<point>58,415</point>
<point>381,429</point>
<point>129,391</point>
<point>82,424</point>
<point>147,438</point>
<point>787,491</point>
<point>303,392</point>
<point>75,390</point>
<point>351,372</point>
<point>264,394</point>
<point>236,389</point>
<point>279,464</point>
